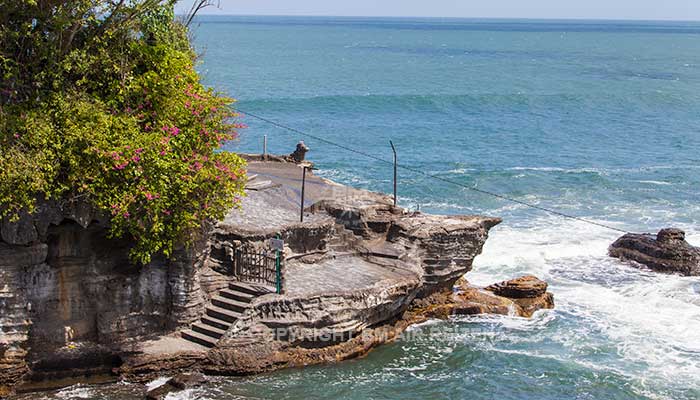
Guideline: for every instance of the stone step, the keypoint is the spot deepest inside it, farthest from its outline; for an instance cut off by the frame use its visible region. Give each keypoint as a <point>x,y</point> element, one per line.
<point>215,322</point>
<point>199,338</point>
<point>208,330</point>
<point>223,314</point>
<point>250,288</point>
<point>236,295</point>
<point>229,304</point>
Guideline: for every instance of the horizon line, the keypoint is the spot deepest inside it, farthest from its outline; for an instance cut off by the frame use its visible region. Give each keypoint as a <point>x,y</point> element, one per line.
<point>453,18</point>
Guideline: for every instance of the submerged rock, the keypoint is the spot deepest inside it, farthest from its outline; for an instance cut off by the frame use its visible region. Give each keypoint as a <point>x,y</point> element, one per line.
<point>175,384</point>
<point>667,252</point>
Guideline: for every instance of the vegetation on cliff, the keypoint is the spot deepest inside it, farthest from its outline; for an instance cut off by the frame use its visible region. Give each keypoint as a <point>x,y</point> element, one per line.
<point>99,100</point>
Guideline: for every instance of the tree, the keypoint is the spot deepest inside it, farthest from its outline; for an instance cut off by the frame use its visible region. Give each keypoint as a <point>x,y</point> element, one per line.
<point>99,99</point>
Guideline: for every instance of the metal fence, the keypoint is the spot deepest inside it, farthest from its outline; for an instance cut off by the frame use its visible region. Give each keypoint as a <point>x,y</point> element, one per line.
<point>257,267</point>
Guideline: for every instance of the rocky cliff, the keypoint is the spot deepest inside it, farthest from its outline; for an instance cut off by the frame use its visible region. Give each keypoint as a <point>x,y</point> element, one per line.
<point>71,301</point>
<point>72,305</point>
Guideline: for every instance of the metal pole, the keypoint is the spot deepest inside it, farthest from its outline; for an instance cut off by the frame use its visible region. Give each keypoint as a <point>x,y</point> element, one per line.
<point>265,147</point>
<point>303,186</point>
<point>395,169</point>
<point>278,269</point>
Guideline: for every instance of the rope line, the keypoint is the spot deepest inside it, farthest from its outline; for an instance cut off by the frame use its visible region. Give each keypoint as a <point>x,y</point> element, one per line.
<point>433,176</point>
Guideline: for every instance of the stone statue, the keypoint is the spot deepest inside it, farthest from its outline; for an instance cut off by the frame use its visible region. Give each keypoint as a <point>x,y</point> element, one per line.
<point>300,152</point>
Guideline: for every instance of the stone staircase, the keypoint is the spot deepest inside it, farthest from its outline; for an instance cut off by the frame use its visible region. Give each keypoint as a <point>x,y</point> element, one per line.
<point>225,309</point>
<point>343,240</point>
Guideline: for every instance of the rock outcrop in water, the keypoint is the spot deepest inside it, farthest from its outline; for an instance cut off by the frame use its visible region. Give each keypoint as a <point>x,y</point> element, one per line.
<point>667,252</point>
<point>517,297</point>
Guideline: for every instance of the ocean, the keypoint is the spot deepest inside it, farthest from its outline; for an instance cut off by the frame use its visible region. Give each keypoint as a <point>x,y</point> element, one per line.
<point>597,119</point>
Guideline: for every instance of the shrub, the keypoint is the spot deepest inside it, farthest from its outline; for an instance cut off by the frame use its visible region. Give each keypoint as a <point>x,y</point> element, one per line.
<point>100,100</point>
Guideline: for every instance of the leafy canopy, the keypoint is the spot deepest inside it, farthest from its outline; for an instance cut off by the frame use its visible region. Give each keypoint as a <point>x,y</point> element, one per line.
<point>99,100</point>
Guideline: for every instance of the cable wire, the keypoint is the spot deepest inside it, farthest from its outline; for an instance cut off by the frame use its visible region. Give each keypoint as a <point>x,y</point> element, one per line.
<point>433,176</point>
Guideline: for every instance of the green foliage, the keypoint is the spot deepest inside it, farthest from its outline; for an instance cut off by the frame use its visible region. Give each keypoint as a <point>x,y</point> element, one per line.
<point>100,100</point>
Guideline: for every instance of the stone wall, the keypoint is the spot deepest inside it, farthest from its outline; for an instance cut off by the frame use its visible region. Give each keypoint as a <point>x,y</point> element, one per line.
<point>276,328</point>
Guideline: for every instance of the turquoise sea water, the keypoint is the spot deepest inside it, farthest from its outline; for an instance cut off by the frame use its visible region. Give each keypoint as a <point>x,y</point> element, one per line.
<point>597,119</point>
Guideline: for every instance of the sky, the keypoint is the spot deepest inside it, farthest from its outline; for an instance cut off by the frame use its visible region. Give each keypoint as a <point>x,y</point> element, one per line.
<point>544,9</point>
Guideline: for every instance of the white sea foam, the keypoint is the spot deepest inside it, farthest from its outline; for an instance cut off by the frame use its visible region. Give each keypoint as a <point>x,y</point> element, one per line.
<point>189,394</point>
<point>660,183</point>
<point>156,383</point>
<point>651,321</point>
<point>75,392</point>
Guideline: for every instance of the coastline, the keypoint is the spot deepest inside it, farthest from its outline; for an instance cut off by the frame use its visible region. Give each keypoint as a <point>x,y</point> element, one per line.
<point>357,273</point>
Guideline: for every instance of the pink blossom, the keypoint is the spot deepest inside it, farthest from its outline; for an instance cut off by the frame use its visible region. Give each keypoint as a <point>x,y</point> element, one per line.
<point>121,166</point>
<point>135,159</point>
<point>139,150</point>
<point>127,215</point>
<point>16,135</point>
<point>167,212</point>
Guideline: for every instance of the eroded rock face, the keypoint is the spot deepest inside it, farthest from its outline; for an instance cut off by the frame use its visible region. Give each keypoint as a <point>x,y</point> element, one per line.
<point>667,252</point>
<point>445,245</point>
<point>70,301</point>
